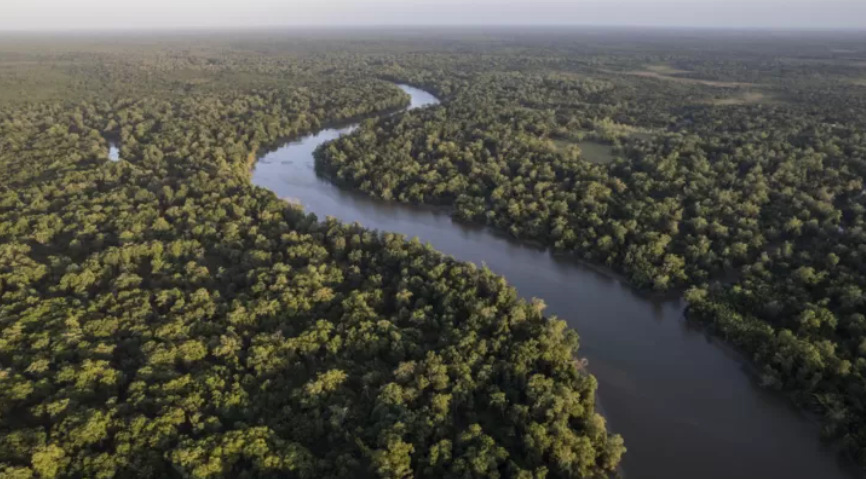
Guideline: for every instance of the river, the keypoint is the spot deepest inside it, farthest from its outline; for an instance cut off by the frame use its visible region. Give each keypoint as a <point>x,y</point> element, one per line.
<point>684,404</point>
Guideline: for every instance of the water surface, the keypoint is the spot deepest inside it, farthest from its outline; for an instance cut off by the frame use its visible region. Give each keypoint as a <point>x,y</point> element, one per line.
<point>685,406</point>
<point>113,151</point>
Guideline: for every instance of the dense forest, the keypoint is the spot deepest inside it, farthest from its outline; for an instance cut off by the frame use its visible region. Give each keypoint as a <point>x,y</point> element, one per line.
<point>162,317</point>
<point>733,172</point>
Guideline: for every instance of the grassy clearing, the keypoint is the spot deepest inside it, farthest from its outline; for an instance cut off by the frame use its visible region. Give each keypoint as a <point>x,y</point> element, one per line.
<point>692,81</point>
<point>746,98</point>
<point>591,151</point>
<point>666,72</point>
<point>595,152</point>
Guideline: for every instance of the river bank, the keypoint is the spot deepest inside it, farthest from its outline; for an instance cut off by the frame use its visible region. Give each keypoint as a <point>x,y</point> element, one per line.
<point>684,405</point>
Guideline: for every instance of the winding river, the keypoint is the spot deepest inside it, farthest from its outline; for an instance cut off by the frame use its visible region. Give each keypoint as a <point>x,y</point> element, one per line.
<point>684,404</point>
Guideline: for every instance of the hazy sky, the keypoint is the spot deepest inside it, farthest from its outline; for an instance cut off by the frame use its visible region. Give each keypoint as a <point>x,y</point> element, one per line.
<point>146,14</point>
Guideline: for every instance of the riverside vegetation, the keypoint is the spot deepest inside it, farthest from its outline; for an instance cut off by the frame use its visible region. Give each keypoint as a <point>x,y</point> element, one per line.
<point>738,175</point>
<point>162,317</point>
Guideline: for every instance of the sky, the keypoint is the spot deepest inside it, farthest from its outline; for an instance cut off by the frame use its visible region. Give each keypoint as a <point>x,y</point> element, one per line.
<point>17,15</point>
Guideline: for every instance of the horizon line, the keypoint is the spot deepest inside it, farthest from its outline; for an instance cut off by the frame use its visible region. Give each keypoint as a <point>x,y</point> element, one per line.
<point>431,26</point>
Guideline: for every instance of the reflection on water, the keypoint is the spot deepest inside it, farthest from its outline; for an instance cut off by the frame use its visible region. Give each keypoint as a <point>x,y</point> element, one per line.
<point>685,407</point>
<point>113,152</point>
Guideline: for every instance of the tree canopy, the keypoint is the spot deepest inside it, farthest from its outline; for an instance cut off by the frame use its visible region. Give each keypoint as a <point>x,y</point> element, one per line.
<point>162,317</point>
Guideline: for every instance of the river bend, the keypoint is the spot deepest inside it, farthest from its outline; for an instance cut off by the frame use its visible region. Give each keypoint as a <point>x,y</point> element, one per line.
<point>684,404</point>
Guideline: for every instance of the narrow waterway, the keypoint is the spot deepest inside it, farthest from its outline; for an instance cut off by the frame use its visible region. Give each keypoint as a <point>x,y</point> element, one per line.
<point>684,405</point>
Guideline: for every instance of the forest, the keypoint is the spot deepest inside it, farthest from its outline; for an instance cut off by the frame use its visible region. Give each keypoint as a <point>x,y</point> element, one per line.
<point>160,316</point>
<point>735,176</point>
